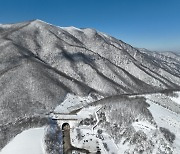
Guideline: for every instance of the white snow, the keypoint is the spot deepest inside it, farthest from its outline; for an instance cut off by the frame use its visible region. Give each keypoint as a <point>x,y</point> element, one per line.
<point>72,102</point>
<point>86,112</point>
<point>28,142</point>
<point>90,141</point>
<point>144,126</point>
<point>123,146</point>
<point>167,119</point>
<point>5,25</point>
<point>177,98</point>
<point>71,28</point>
<point>41,21</point>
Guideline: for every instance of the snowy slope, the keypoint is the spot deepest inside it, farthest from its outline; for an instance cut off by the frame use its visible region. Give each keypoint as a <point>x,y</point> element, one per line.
<point>167,118</point>
<point>29,142</point>
<point>133,124</point>
<point>116,66</point>
<point>176,98</point>
<point>42,65</point>
<point>125,124</point>
<point>118,124</point>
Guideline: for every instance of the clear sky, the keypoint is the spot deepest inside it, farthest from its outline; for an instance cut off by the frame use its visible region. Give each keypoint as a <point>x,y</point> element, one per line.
<point>151,24</point>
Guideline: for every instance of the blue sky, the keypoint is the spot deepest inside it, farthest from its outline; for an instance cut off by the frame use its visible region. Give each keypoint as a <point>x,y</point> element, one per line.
<point>152,24</point>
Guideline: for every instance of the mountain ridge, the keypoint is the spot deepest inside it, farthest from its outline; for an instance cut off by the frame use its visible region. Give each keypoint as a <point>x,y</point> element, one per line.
<point>41,63</point>
<point>77,43</point>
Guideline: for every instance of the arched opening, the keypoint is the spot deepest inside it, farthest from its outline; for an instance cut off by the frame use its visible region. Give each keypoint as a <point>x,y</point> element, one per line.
<point>65,126</point>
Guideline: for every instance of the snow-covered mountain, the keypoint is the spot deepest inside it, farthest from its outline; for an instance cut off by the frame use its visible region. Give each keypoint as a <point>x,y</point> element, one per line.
<point>41,64</point>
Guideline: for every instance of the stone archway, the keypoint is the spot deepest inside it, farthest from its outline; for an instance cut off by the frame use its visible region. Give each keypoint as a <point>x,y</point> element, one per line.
<point>67,147</point>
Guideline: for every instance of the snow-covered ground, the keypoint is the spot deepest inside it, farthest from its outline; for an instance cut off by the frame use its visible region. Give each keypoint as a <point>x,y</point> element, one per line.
<point>91,136</point>
<point>73,102</point>
<point>88,133</point>
<point>84,136</point>
<point>28,142</point>
<point>167,119</point>
<point>176,99</point>
<point>93,141</point>
<point>83,61</point>
<point>144,126</point>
